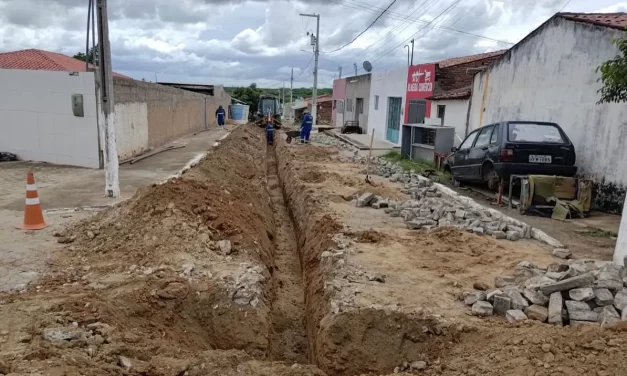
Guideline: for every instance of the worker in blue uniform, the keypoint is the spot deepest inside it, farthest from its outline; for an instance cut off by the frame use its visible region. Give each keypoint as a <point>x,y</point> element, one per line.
<point>305,127</point>
<point>269,131</point>
<point>221,116</point>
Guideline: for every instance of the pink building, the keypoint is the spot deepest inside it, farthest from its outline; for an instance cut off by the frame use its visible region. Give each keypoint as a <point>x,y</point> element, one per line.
<point>339,95</point>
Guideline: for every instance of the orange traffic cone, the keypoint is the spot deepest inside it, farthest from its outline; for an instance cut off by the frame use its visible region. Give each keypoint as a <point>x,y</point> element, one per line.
<point>33,216</point>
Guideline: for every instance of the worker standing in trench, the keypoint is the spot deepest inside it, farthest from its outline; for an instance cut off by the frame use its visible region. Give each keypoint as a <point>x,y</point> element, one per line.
<point>269,130</point>
<point>305,127</point>
<point>221,116</point>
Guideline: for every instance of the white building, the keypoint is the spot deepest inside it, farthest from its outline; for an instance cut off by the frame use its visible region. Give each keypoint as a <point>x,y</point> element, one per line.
<point>387,100</point>
<point>452,108</point>
<point>550,76</point>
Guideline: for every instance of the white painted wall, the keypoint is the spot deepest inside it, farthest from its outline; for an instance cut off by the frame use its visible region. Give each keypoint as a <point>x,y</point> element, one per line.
<point>392,83</point>
<point>551,77</point>
<point>131,128</point>
<point>455,115</point>
<point>36,119</point>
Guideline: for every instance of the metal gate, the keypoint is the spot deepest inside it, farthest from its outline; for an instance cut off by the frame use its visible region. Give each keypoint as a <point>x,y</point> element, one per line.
<point>393,119</point>
<point>417,111</point>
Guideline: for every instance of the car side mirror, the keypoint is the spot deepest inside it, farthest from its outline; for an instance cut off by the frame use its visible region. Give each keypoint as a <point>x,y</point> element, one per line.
<point>453,149</point>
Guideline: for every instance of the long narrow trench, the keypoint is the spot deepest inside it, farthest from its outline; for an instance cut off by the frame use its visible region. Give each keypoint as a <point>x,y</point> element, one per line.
<point>288,338</point>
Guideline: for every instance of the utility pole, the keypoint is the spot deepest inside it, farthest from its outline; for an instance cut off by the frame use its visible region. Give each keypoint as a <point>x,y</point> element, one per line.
<point>412,52</point>
<point>340,72</point>
<point>314,94</point>
<point>355,64</point>
<point>407,46</point>
<point>283,97</point>
<point>291,91</point>
<point>112,183</point>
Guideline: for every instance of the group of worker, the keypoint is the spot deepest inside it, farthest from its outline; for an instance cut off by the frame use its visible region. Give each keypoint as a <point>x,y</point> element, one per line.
<point>305,129</point>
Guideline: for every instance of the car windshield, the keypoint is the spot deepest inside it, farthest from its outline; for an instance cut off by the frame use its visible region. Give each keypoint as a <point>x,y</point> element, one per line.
<point>534,132</point>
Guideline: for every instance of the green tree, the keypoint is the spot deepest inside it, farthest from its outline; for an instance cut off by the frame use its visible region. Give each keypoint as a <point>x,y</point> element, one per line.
<point>249,95</point>
<point>614,75</point>
<point>91,55</point>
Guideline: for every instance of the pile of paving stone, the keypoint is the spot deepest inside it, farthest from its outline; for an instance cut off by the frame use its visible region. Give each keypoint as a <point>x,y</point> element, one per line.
<point>573,292</point>
<point>428,208</point>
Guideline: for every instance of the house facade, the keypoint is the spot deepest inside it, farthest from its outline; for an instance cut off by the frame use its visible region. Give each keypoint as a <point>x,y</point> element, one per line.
<point>339,95</point>
<point>550,76</point>
<point>387,103</point>
<point>357,100</point>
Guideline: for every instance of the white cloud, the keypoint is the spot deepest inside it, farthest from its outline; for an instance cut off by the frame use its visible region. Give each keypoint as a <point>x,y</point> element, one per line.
<point>236,42</point>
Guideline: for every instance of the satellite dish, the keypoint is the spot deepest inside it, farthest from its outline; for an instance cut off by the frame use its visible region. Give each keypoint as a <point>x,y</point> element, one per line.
<point>367,66</point>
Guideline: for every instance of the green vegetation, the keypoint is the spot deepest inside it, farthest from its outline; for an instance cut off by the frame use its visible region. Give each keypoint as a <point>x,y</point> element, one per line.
<point>425,168</point>
<point>93,53</point>
<point>614,75</point>
<point>598,233</point>
<point>304,92</point>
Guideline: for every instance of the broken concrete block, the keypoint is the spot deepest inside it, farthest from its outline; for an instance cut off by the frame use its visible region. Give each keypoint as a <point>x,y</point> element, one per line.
<point>620,300</point>
<point>515,315</point>
<point>581,294</point>
<point>424,213</point>
<point>539,281</point>
<point>502,304</point>
<point>365,199</point>
<point>475,223</point>
<point>608,315</point>
<point>460,214</point>
<point>224,246</point>
<point>603,297</point>
<point>555,275</point>
<point>537,312</point>
<point>504,280</point>
<point>491,293</point>
<point>518,301</point>
<point>535,297</point>
<point>610,284</point>
<point>577,323</point>
<point>477,230</point>
<point>580,311</point>
<point>499,235</point>
<point>555,308</point>
<point>562,253</point>
<point>513,236</point>
<point>482,309</point>
<point>474,297</point>
<point>568,284</point>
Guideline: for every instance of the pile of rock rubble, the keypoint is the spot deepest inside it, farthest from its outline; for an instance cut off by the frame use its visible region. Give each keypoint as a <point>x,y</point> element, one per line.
<point>573,292</point>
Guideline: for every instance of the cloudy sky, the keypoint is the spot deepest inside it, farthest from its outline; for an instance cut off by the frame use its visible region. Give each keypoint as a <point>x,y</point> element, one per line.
<point>236,42</point>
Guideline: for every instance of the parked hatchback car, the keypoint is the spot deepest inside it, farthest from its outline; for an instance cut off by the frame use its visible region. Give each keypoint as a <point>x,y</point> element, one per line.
<point>496,151</point>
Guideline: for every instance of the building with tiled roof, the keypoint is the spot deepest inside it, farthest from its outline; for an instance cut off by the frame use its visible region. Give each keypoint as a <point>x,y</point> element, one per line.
<point>33,59</point>
<point>551,75</point>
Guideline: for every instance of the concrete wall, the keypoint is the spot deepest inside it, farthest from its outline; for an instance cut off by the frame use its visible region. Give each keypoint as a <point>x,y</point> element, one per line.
<point>550,77</point>
<point>339,94</point>
<point>386,84</point>
<point>150,115</point>
<point>36,119</point>
<point>358,87</point>
<point>455,115</point>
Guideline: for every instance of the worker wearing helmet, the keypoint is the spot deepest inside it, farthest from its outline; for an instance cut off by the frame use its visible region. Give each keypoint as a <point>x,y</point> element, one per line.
<point>220,116</point>
<point>305,127</point>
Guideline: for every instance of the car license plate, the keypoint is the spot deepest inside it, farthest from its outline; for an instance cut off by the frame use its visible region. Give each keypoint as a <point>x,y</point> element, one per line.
<point>539,159</point>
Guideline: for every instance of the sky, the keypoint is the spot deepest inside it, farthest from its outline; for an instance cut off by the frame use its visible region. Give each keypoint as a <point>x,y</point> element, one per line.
<point>237,42</point>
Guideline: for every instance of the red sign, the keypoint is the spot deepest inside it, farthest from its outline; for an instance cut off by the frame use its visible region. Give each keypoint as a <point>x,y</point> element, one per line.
<point>420,83</point>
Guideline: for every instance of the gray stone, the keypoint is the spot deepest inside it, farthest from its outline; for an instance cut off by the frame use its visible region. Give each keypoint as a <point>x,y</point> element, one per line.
<point>224,246</point>
<point>537,282</point>
<point>502,304</point>
<point>124,362</point>
<point>460,214</point>
<point>380,204</point>
<point>504,280</point>
<point>418,365</point>
<point>603,297</point>
<point>537,312</point>
<point>482,309</point>
<point>424,213</point>
<point>518,301</point>
<point>365,199</point>
<point>477,230</point>
<point>562,253</point>
<point>499,235</point>
<point>577,323</point>
<point>568,284</point>
<point>581,294</point>
<point>474,297</point>
<point>515,315</point>
<point>420,223</point>
<point>535,297</point>
<point>555,308</point>
<point>513,236</point>
<point>623,315</point>
<point>491,293</point>
<point>555,275</point>
<point>620,300</point>
<point>475,223</point>
<point>61,334</point>
<point>608,315</point>
<point>580,311</point>
<point>610,284</point>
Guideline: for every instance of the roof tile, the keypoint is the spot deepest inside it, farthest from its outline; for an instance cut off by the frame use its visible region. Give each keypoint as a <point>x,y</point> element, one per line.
<point>614,20</point>
<point>468,59</point>
<point>33,59</point>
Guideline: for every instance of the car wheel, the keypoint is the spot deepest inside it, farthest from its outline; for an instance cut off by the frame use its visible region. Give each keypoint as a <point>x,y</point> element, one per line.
<point>490,177</point>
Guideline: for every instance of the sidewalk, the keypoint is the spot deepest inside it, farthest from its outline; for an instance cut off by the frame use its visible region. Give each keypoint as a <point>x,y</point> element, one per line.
<point>68,187</point>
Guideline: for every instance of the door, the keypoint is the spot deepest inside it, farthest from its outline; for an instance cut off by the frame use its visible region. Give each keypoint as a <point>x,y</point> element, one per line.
<point>479,151</point>
<point>393,119</point>
<point>359,108</point>
<point>417,111</point>
<point>460,160</point>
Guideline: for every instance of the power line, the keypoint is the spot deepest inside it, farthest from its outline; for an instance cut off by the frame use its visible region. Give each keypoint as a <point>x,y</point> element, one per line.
<point>366,29</point>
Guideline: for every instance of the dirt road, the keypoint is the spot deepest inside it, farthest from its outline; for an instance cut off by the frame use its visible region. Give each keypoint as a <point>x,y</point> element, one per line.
<point>256,262</point>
